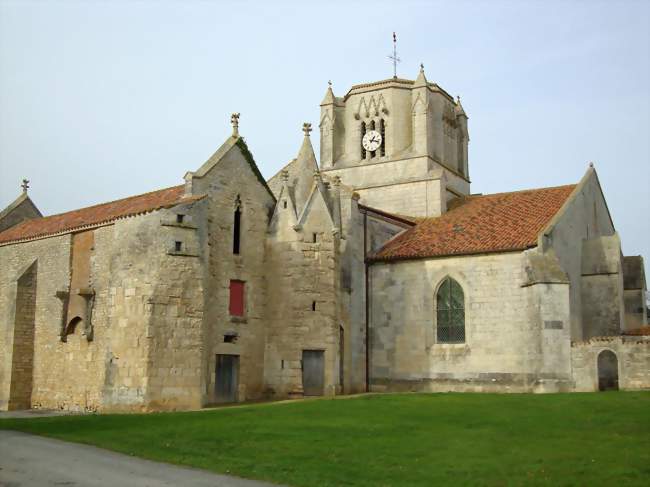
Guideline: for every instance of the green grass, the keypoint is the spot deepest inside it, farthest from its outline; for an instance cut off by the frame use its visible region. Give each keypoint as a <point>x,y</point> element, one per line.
<point>382,440</point>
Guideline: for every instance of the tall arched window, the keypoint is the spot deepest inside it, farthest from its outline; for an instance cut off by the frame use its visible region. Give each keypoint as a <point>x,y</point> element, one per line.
<point>450,312</point>
<point>363,132</point>
<point>382,131</point>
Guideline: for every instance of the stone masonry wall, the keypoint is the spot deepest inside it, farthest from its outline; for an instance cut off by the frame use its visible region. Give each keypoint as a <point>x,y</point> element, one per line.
<point>586,217</point>
<point>302,273</point>
<point>229,183</point>
<point>505,330</point>
<point>22,367</point>
<point>633,354</point>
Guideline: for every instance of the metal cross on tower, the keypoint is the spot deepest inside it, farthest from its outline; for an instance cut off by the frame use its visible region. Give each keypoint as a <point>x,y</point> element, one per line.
<point>394,57</point>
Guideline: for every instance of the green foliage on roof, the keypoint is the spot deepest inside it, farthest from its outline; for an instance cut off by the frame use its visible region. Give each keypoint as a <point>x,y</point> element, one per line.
<point>243,147</point>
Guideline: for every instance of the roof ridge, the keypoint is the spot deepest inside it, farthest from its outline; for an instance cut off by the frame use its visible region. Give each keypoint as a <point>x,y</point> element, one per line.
<point>561,186</point>
<point>112,201</point>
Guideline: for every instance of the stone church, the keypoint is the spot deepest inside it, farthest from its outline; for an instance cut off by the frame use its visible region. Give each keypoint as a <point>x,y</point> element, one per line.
<point>376,270</point>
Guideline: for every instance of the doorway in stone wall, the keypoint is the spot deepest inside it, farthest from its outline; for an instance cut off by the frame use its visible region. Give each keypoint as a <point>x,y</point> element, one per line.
<point>607,371</point>
<point>313,372</point>
<point>226,378</point>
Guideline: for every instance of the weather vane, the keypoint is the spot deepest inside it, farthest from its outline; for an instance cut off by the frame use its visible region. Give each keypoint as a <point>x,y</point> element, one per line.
<point>394,57</point>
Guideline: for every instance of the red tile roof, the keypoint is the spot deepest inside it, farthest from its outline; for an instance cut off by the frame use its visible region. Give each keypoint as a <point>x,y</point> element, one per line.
<point>480,224</point>
<point>643,331</point>
<point>96,215</point>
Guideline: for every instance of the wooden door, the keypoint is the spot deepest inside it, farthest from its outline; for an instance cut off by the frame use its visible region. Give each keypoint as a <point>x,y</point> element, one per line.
<point>227,378</point>
<point>313,372</point>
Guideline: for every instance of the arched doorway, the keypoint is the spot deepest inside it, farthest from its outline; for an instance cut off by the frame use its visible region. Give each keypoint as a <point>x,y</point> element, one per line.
<point>607,371</point>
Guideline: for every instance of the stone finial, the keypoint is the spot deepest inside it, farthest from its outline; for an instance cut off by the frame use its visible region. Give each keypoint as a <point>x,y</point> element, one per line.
<point>422,67</point>
<point>285,175</point>
<point>591,164</point>
<point>329,83</point>
<point>25,185</point>
<point>306,128</point>
<point>234,120</point>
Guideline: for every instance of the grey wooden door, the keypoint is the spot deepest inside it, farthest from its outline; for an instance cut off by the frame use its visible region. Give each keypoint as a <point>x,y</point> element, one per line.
<point>227,378</point>
<point>607,371</point>
<point>313,372</point>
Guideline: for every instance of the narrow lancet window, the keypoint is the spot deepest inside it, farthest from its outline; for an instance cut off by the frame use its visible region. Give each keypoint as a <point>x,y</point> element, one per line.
<point>372,127</point>
<point>236,240</point>
<point>363,132</point>
<point>382,131</point>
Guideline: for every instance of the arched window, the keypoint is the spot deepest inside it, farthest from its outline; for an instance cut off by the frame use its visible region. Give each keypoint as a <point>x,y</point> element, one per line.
<point>72,326</point>
<point>382,131</point>
<point>450,312</point>
<point>363,132</point>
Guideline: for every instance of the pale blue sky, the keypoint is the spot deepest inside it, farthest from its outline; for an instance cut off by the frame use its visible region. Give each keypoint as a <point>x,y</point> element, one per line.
<point>102,100</point>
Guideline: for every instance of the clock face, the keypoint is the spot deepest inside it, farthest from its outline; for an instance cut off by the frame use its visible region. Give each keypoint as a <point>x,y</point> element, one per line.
<point>371,141</point>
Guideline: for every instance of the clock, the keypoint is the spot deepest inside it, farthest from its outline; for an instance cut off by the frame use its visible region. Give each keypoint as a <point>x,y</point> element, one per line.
<point>371,141</point>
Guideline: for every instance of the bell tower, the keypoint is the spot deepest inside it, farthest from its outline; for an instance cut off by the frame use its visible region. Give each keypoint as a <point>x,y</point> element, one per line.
<point>401,144</point>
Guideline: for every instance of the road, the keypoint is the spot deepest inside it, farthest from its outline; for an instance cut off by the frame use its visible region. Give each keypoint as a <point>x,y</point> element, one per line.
<point>34,461</point>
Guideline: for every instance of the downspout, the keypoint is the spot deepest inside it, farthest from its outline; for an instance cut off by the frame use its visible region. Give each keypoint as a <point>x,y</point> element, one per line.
<point>365,263</point>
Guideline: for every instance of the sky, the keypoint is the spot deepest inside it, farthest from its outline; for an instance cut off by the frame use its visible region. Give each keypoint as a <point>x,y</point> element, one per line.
<point>103,100</point>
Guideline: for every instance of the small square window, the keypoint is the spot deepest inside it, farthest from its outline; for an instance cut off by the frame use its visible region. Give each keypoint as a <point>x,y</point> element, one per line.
<point>178,246</point>
<point>315,236</point>
<point>180,218</point>
<point>230,338</point>
<point>313,305</point>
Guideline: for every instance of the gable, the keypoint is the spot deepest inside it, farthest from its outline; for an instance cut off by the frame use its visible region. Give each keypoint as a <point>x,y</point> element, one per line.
<point>21,209</point>
<point>219,158</point>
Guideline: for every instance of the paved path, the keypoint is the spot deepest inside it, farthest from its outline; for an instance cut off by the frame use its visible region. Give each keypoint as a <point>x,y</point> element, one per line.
<point>34,461</point>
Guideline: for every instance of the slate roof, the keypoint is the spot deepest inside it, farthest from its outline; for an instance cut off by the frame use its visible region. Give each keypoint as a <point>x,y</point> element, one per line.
<point>96,215</point>
<point>480,224</point>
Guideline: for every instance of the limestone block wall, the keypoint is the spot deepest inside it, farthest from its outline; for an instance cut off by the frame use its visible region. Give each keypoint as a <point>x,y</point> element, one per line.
<point>507,341</point>
<point>52,257</point>
<point>302,308</point>
<point>409,186</point>
<point>602,287</point>
<point>22,367</point>
<point>119,367</point>
<point>171,299</point>
<point>636,313</point>
<point>633,354</point>
<point>584,217</point>
<point>231,183</point>
<point>352,294</point>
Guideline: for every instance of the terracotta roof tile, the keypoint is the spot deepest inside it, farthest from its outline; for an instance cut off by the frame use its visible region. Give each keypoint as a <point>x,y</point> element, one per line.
<point>95,215</point>
<point>643,331</point>
<point>480,224</point>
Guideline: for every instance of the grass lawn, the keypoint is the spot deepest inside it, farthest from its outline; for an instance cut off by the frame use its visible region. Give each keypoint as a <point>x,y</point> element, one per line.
<point>401,439</point>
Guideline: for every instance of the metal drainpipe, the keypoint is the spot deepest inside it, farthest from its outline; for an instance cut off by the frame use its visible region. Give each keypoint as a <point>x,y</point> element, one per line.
<point>365,263</point>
